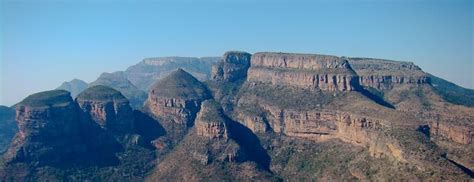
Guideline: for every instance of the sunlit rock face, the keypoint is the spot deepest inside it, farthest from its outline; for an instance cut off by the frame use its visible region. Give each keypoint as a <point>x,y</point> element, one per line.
<point>233,66</point>
<point>108,108</point>
<point>319,72</point>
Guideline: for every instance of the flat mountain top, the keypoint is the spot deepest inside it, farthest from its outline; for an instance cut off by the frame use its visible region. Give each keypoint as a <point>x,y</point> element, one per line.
<point>52,97</point>
<point>100,92</point>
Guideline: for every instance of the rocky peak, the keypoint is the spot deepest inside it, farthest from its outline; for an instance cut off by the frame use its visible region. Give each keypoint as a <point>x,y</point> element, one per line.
<point>107,107</point>
<point>233,66</point>
<point>309,71</point>
<point>49,128</point>
<point>176,99</point>
<point>210,121</point>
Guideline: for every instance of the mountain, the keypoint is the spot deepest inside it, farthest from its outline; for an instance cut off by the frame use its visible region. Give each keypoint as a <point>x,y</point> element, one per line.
<point>119,81</point>
<point>8,127</point>
<point>452,92</point>
<point>145,73</point>
<point>74,86</point>
<point>266,117</point>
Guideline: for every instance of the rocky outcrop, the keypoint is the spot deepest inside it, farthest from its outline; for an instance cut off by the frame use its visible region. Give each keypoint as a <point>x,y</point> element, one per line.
<point>176,99</point>
<point>310,71</point>
<point>385,74</point>
<point>108,108</point>
<point>210,122</point>
<point>233,66</point>
<point>321,125</point>
<point>49,129</point>
<point>459,134</point>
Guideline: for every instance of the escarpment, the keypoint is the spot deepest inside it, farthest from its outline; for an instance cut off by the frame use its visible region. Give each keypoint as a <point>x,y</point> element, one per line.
<point>319,72</point>
<point>233,66</point>
<point>108,108</point>
<point>385,74</point>
<point>49,129</point>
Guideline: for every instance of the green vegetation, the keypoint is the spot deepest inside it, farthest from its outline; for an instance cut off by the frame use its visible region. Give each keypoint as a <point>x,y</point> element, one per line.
<point>100,92</point>
<point>180,84</point>
<point>52,97</point>
<point>452,92</point>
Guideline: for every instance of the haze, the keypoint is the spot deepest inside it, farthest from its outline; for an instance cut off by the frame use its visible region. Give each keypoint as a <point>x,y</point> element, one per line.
<point>44,43</point>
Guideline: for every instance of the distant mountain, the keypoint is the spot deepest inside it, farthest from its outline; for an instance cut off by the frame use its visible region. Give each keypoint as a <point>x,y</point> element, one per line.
<point>145,73</point>
<point>74,86</point>
<point>119,81</point>
<point>8,127</point>
<point>452,92</point>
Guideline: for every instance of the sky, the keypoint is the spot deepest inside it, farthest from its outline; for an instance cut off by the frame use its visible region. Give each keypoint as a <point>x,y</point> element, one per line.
<point>44,43</point>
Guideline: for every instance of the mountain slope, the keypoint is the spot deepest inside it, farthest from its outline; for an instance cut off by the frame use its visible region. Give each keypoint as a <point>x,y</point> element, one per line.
<point>74,86</point>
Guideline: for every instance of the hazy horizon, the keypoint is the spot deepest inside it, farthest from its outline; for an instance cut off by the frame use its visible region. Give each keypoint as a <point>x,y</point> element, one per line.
<point>43,44</point>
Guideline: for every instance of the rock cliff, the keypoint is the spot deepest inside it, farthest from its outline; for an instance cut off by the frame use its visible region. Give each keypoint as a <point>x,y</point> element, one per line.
<point>8,127</point>
<point>49,129</point>
<point>319,72</point>
<point>385,74</point>
<point>108,108</point>
<point>233,66</point>
<point>175,100</point>
<point>210,122</point>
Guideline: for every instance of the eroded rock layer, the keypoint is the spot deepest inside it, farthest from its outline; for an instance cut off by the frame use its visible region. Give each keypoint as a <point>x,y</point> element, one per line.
<point>233,66</point>
<point>108,108</point>
<point>310,71</point>
<point>385,74</point>
<point>177,98</point>
<point>210,122</point>
<point>49,129</point>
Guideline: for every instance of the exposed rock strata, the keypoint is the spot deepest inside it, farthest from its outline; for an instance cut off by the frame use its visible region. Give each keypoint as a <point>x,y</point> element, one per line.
<point>210,122</point>
<point>108,108</point>
<point>175,101</point>
<point>233,66</point>
<point>49,129</point>
<point>310,71</point>
<point>385,74</point>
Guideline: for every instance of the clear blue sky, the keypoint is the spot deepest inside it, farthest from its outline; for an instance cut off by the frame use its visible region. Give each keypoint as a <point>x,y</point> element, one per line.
<point>43,43</point>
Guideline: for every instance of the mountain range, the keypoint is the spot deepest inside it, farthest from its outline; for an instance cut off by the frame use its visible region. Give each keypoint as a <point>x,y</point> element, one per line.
<point>267,116</point>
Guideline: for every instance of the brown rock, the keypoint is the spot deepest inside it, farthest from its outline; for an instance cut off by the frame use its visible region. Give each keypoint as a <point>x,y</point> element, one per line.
<point>233,66</point>
<point>309,71</point>
<point>49,129</point>
<point>108,108</point>
<point>210,122</point>
<point>385,74</point>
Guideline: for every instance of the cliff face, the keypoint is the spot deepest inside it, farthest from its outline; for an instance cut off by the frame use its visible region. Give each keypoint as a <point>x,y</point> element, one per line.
<point>385,74</point>
<point>8,127</point>
<point>321,125</point>
<point>175,101</point>
<point>307,71</point>
<point>108,108</point>
<point>49,129</point>
<point>210,122</point>
<point>233,66</point>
